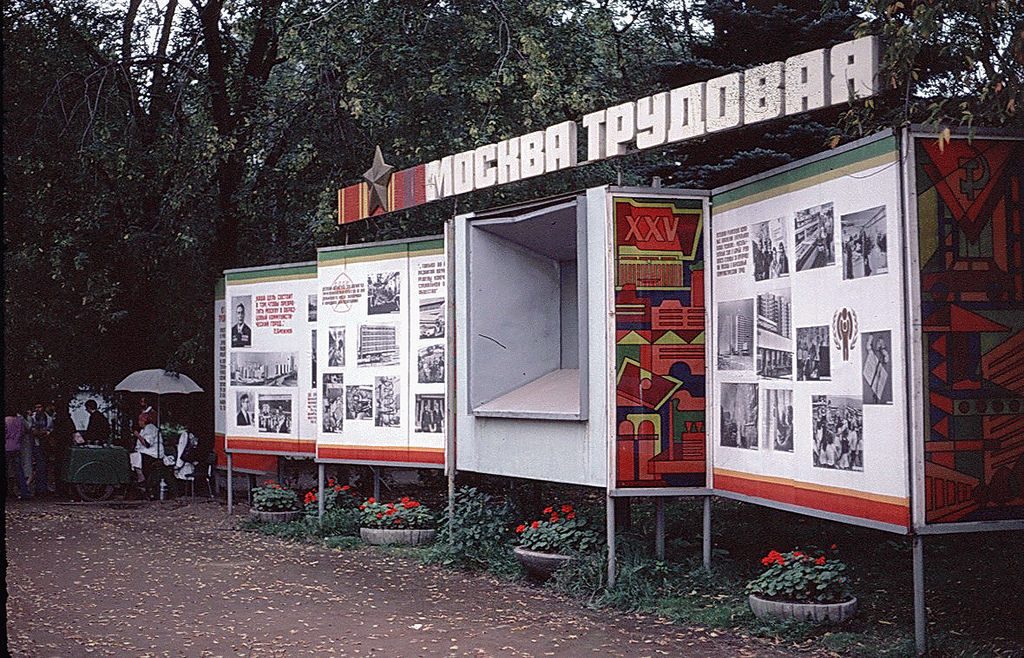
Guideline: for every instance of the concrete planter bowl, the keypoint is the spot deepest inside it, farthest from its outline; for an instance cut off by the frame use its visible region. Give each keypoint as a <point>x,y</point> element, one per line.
<point>400,537</point>
<point>821,612</point>
<point>540,565</point>
<point>274,517</point>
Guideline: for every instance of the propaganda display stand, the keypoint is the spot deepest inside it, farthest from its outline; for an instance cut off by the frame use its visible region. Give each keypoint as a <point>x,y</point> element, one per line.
<point>867,331</point>
<point>580,341</point>
<point>270,396</point>
<point>381,341</point>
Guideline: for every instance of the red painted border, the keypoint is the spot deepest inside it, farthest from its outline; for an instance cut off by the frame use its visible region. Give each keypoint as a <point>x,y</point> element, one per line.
<point>825,501</point>
<point>370,454</point>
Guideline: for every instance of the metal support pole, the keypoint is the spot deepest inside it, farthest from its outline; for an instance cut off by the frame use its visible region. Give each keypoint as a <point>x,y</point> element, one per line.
<point>920,613</point>
<point>320,496</point>
<point>231,485</point>
<point>376,483</point>
<point>659,528</point>
<point>707,533</point>
<point>610,532</point>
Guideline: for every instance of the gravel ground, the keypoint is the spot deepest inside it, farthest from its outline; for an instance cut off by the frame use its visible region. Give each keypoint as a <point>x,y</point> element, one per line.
<point>171,579</point>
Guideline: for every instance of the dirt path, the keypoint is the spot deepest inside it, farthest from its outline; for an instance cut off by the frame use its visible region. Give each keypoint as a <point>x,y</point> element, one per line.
<point>175,580</point>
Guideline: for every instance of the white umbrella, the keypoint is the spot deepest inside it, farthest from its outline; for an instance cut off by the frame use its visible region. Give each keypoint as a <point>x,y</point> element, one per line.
<point>159,381</point>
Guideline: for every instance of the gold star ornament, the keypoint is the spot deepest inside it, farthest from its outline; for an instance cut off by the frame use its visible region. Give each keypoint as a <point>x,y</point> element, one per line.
<point>378,177</point>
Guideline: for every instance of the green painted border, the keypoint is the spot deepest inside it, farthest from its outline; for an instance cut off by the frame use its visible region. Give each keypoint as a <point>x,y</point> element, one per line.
<point>882,150</point>
<point>218,289</point>
<point>426,245</point>
<point>363,253</point>
<point>273,273</point>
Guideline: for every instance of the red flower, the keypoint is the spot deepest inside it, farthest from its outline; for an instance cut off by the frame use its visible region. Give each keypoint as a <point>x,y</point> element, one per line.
<point>362,507</point>
<point>337,488</point>
<point>833,547</point>
<point>371,500</point>
<point>391,505</point>
<point>820,560</point>
<point>330,482</point>
<point>535,524</point>
<point>554,517</point>
<point>566,509</point>
<point>346,488</point>
<point>391,511</point>
<point>405,499</point>
<point>379,515</point>
<point>571,515</point>
<point>797,554</point>
<point>548,510</point>
<point>520,527</point>
<point>397,521</point>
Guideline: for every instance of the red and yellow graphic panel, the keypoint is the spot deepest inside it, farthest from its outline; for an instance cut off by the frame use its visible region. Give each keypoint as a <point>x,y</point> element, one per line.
<point>659,342</point>
<point>971,238</point>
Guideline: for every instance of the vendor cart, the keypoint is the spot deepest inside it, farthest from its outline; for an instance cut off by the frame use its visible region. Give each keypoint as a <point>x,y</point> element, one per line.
<point>94,472</point>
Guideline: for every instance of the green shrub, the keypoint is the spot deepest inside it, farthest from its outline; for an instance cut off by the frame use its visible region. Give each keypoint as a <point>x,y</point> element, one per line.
<point>272,497</point>
<point>476,535</point>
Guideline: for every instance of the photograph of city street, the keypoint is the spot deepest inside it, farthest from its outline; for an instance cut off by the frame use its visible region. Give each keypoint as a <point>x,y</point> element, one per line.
<point>264,369</point>
<point>739,416</point>
<point>775,334</point>
<point>777,418</point>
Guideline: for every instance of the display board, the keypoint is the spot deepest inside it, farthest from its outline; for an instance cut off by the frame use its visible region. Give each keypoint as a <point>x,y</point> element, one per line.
<point>966,200</point>
<point>271,392</point>
<point>381,343</point>
<point>659,341</point>
<point>808,338</point>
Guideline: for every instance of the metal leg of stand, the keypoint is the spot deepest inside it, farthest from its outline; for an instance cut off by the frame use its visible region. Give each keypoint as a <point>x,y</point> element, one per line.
<point>707,533</point>
<point>659,528</point>
<point>231,488</point>
<point>920,613</point>
<point>610,533</point>
<point>320,496</point>
<point>376,483</point>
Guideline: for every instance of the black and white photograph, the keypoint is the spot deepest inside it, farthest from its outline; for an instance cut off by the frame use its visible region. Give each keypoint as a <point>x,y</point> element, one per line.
<point>768,250</point>
<point>777,418</point>
<point>432,317</point>
<point>358,403</point>
<point>864,243</point>
<point>876,367</point>
<point>334,402</point>
<point>241,329</point>
<point>336,347</point>
<point>430,364</point>
<point>774,364</point>
<point>386,402</point>
<point>736,335</point>
<point>838,425</point>
<point>311,308</point>
<point>245,402</point>
<point>378,345</point>
<point>382,293</point>
<point>312,356</point>
<point>775,334</point>
<point>813,361</point>
<point>429,414</point>
<point>739,416</point>
<point>275,413</point>
<point>264,369</point>
<point>814,233</point>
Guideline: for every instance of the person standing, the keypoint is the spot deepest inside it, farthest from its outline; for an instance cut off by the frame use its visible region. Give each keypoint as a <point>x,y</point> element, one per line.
<point>41,429</point>
<point>147,444</point>
<point>97,429</point>
<point>14,434</point>
<point>63,433</point>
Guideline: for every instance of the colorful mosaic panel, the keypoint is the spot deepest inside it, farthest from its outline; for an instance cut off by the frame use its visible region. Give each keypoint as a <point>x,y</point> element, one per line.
<point>659,342</point>
<point>972,306</point>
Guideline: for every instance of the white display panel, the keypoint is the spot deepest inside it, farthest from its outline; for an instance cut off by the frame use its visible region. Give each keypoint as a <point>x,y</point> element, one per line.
<point>381,344</point>
<point>271,391</point>
<point>808,338</point>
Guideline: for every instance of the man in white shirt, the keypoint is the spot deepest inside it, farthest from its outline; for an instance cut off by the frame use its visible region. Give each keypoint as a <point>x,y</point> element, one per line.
<point>147,443</point>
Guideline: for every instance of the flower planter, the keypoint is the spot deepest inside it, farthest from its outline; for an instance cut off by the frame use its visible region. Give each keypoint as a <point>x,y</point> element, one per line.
<point>401,537</point>
<point>832,612</point>
<point>540,565</point>
<point>275,517</point>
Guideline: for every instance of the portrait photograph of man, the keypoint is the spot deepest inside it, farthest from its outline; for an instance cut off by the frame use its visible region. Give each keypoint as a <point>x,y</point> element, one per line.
<point>241,333</point>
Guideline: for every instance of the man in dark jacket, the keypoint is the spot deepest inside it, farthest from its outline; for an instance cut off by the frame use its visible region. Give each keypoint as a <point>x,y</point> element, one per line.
<point>97,431</point>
